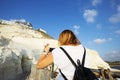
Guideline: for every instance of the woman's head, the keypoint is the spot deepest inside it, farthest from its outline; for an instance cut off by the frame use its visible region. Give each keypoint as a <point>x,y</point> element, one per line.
<point>67,37</point>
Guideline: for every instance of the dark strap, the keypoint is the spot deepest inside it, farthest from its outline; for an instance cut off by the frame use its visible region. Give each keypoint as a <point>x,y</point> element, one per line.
<point>63,75</point>
<point>68,56</point>
<point>83,59</point>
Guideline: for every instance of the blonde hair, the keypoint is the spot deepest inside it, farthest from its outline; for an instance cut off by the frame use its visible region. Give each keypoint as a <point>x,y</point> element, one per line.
<point>67,37</point>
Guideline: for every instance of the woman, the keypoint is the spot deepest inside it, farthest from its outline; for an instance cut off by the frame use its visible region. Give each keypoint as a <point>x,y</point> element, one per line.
<point>72,45</point>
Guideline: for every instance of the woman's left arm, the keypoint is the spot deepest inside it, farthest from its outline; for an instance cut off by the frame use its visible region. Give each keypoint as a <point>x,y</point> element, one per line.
<point>45,60</point>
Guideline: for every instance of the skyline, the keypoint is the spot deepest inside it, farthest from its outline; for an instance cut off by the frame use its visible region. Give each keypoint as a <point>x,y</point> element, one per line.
<point>96,23</point>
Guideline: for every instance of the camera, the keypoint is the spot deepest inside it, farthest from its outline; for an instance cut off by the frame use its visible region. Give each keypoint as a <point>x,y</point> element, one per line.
<point>51,49</point>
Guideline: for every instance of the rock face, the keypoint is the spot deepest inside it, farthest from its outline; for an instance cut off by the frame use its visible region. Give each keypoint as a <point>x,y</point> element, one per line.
<point>21,47</point>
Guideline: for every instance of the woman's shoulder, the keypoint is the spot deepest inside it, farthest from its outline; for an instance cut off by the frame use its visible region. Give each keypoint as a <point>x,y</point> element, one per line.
<point>72,46</point>
<point>56,49</point>
<point>68,47</point>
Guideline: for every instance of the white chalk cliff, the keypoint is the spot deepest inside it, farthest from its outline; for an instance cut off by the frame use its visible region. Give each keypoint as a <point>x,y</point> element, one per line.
<point>21,46</point>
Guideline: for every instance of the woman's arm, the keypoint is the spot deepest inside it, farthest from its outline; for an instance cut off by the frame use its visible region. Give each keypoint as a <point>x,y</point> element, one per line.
<point>41,58</point>
<point>45,60</point>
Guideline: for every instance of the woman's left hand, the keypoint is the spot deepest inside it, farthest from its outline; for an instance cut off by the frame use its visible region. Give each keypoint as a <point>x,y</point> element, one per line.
<point>46,48</point>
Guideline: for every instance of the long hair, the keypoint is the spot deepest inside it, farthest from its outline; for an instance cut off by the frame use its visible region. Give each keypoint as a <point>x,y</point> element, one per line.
<point>67,37</point>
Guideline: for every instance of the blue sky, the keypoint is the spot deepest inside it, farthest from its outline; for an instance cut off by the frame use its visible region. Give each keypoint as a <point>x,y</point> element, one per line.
<point>95,22</point>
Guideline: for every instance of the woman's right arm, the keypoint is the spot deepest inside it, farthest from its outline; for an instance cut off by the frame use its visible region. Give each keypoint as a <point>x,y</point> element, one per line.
<point>41,58</point>
<point>44,61</point>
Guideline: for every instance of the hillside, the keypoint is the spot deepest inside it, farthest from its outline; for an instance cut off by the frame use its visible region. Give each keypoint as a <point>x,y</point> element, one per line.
<point>20,49</point>
<point>19,28</point>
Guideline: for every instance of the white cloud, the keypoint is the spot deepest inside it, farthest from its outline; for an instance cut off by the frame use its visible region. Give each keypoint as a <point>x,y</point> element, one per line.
<point>76,29</point>
<point>112,56</point>
<point>89,15</point>
<point>116,17</point>
<point>95,2</point>
<point>118,8</point>
<point>99,41</point>
<point>99,26</point>
<point>117,31</point>
<point>109,39</point>
<point>113,3</point>
<point>21,20</point>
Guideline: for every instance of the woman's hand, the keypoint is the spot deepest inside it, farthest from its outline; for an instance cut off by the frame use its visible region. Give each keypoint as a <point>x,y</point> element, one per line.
<point>47,48</point>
